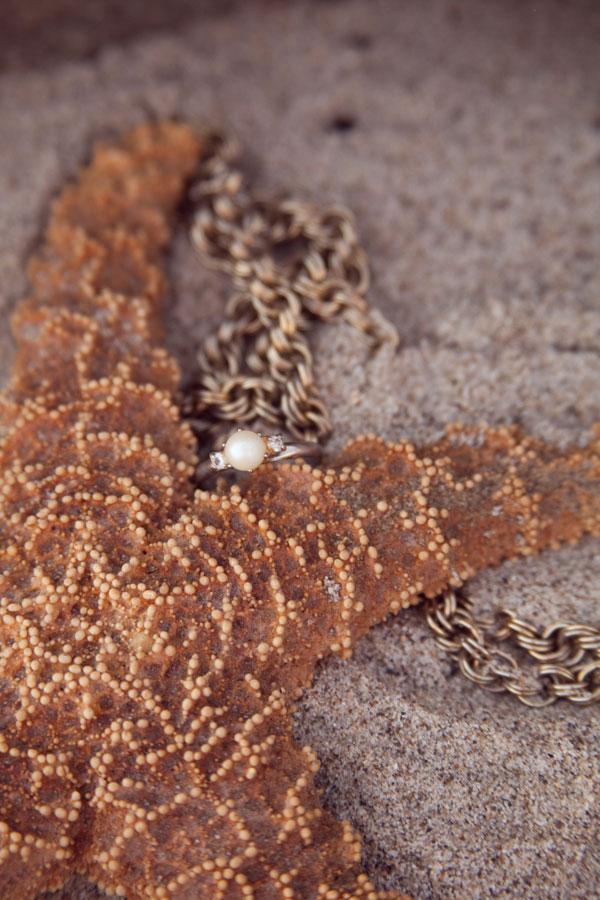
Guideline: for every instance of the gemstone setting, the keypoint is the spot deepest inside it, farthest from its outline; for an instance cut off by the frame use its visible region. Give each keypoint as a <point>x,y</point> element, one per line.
<point>217,461</point>
<point>275,443</point>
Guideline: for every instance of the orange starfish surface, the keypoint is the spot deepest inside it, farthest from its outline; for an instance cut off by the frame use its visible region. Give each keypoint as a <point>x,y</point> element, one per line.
<point>153,639</point>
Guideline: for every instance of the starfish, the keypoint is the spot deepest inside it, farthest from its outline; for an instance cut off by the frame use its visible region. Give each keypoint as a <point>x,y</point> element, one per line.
<point>154,637</point>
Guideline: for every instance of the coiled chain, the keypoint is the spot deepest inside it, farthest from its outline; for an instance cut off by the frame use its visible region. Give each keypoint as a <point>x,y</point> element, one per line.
<point>292,264</point>
<point>564,658</point>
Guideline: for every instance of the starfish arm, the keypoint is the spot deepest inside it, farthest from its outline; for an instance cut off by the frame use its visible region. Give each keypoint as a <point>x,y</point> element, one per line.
<point>88,432</point>
<point>325,554</point>
<point>97,285</point>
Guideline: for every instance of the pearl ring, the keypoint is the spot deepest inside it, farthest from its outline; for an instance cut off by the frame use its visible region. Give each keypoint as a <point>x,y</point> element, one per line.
<point>245,450</point>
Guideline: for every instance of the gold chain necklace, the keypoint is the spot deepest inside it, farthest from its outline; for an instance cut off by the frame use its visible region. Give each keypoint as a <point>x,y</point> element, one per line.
<point>291,265</point>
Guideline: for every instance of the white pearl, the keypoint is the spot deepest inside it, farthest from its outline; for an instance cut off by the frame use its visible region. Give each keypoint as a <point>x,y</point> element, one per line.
<point>244,450</point>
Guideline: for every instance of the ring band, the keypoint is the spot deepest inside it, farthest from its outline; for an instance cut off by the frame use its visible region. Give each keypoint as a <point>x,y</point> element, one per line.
<point>245,451</point>
<point>298,450</point>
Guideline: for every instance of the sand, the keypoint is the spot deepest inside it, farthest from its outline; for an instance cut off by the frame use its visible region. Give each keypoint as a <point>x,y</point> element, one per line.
<point>466,138</point>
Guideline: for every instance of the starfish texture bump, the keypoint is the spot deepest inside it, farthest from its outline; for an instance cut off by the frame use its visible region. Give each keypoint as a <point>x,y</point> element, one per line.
<point>153,638</point>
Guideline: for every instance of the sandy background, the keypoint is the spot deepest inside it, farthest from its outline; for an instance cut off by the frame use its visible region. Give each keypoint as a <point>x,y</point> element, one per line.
<point>466,138</point>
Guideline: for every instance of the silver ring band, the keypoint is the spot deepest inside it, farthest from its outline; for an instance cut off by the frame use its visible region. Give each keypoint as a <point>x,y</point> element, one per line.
<point>298,450</point>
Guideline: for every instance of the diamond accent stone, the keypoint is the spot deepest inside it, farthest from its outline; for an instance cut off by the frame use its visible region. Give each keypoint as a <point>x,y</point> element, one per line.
<point>276,443</point>
<point>217,461</point>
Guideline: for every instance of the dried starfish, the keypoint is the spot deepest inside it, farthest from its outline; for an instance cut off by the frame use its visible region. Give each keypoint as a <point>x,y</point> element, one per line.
<point>152,639</point>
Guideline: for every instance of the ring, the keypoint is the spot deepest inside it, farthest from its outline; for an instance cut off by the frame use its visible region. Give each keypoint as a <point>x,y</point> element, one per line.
<point>245,450</point>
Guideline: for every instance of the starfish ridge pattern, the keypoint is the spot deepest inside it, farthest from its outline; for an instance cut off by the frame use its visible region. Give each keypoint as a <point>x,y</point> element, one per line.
<point>153,639</point>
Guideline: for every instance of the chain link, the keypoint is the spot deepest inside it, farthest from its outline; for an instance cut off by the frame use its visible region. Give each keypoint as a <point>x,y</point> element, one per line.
<point>292,264</point>
<point>564,658</point>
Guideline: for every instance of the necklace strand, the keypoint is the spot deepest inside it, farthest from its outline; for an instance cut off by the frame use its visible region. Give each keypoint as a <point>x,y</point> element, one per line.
<point>292,265</point>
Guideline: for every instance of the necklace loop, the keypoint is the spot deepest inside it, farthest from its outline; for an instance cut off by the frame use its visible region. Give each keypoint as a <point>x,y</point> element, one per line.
<point>564,658</point>
<point>291,264</point>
